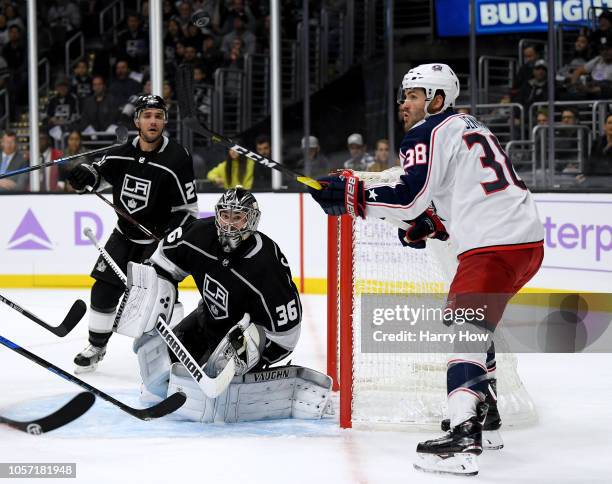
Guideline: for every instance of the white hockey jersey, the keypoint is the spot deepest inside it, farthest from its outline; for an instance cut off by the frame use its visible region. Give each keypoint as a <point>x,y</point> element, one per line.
<point>454,161</point>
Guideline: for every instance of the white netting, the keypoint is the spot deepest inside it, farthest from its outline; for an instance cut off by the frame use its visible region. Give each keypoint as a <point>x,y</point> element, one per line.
<point>402,388</point>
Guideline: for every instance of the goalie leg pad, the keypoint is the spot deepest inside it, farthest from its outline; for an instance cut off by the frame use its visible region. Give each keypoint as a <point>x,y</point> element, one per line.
<point>153,362</point>
<point>149,295</point>
<point>283,392</point>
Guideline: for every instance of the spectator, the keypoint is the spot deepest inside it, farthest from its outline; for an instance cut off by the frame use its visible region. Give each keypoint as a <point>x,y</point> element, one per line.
<point>212,59</point>
<point>603,31</point>
<point>234,59</point>
<point>12,160</point>
<point>194,35</point>
<point>191,55</point>
<point>235,170</point>
<point>382,156</point>
<point>536,89</point>
<point>12,17</point>
<point>64,18</point>
<point>14,52</point>
<point>239,32</point>
<point>49,176</point>
<point>133,44</point>
<point>600,70</point>
<point>580,56</point>
<point>263,145</point>
<point>237,9</point>
<point>73,147</point>
<point>172,37</point>
<point>63,108</point>
<point>100,110</point>
<point>202,91</point>
<point>184,16</point>
<point>4,32</point>
<point>317,162</point>
<point>542,117</point>
<point>168,10</point>
<point>600,161</point>
<point>80,82</point>
<point>567,144</point>
<point>123,86</point>
<point>525,72</point>
<point>360,160</point>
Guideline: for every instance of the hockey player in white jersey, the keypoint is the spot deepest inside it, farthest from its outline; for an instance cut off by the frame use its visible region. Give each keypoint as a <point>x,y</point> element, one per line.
<point>455,179</point>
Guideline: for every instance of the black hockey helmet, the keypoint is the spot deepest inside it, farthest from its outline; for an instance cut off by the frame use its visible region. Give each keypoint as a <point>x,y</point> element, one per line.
<point>236,217</point>
<point>150,101</point>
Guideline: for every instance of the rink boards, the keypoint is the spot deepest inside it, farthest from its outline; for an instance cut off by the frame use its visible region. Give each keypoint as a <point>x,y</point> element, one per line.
<point>41,241</point>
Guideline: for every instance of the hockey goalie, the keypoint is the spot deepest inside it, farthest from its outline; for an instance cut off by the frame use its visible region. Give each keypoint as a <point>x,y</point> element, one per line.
<point>248,320</point>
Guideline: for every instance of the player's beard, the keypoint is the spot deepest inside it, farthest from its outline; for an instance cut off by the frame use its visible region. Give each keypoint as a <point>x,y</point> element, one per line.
<point>151,139</point>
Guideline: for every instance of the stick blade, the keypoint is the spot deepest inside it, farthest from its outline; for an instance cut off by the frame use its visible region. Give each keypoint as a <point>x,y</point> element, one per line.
<point>163,408</point>
<point>74,316</point>
<point>76,407</point>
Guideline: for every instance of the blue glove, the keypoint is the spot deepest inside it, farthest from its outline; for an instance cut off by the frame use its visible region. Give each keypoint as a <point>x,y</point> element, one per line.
<point>427,225</point>
<point>341,194</point>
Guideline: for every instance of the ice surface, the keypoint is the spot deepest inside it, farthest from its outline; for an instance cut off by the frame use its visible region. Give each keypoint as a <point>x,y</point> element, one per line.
<point>571,443</point>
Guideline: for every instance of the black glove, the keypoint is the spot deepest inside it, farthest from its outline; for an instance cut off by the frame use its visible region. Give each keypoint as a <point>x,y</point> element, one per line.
<point>426,225</point>
<point>341,194</point>
<point>82,176</point>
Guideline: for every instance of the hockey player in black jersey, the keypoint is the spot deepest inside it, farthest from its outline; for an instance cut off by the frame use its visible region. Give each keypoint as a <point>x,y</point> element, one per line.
<point>152,179</point>
<point>249,315</point>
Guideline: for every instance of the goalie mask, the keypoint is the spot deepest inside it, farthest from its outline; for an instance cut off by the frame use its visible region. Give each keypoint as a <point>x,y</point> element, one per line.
<point>236,217</point>
<point>432,78</point>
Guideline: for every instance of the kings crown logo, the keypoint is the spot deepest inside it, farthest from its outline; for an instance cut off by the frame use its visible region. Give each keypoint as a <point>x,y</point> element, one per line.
<point>135,193</point>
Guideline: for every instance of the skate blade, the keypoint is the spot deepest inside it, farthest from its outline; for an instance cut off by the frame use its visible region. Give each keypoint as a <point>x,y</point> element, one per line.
<point>460,464</point>
<point>492,440</point>
<point>85,369</point>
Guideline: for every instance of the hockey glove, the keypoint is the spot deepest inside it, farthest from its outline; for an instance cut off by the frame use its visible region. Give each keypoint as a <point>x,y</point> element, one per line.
<point>341,194</point>
<point>82,176</point>
<point>426,225</point>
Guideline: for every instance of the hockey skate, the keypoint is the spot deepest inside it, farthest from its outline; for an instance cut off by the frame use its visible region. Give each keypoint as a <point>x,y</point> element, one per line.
<point>87,360</point>
<point>491,437</point>
<point>456,452</point>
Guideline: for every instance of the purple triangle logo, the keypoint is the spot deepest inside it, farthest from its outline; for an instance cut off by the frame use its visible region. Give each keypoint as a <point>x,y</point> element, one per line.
<point>29,235</point>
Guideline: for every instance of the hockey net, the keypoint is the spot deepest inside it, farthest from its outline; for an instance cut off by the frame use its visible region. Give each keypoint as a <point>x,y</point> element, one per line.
<point>395,389</point>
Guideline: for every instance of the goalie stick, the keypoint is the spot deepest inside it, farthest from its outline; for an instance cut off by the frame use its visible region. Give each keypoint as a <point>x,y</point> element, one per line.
<point>169,405</point>
<point>75,314</point>
<point>76,407</point>
<point>121,132</point>
<point>211,386</point>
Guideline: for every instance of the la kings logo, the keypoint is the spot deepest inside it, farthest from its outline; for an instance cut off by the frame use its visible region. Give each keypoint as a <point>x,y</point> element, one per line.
<point>135,193</point>
<point>215,297</point>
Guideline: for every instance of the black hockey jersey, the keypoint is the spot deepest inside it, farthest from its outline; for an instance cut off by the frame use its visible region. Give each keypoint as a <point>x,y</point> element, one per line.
<point>253,279</point>
<point>157,188</point>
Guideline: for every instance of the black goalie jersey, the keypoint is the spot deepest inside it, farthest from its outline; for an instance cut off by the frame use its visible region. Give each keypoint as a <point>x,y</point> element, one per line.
<point>253,279</point>
<point>157,187</point>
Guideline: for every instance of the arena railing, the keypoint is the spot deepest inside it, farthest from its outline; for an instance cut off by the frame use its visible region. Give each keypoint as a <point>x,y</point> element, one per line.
<point>45,86</point>
<point>495,76</point>
<point>115,11</point>
<point>257,102</point>
<point>70,62</point>
<point>228,102</point>
<point>587,112</point>
<point>505,120</point>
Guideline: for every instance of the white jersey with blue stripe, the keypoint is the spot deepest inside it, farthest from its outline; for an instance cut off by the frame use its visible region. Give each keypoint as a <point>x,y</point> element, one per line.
<point>454,161</point>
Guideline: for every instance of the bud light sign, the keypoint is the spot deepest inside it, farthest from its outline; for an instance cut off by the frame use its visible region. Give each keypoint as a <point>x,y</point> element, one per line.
<point>498,17</point>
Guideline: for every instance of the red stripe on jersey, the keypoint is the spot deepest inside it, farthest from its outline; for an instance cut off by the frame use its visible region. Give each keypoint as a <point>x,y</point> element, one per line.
<point>493,248</point>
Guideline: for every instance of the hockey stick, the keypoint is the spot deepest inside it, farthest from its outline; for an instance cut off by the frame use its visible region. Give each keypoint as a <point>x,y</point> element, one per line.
<point>212,387</point>
<point>75,314</point>
<point>184,87</point>
<point>169,405</point>
<point>122,136</point>
<point>125,215</point>
<point>69,412</point>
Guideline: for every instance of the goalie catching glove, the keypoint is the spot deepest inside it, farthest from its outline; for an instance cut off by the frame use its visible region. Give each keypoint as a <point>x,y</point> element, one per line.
<point>341,194</point>
<point>243,343</point>
<point>427,225</point>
